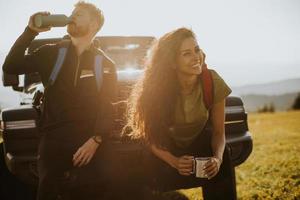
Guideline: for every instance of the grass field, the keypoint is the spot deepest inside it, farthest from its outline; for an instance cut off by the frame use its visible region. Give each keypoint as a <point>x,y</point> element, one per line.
<point>273,169</point>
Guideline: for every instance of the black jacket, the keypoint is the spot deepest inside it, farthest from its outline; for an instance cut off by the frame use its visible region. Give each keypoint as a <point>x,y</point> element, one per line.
<point>74,96</point>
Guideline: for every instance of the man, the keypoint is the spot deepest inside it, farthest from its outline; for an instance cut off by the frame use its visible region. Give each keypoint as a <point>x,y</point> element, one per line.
<point>76,108</point>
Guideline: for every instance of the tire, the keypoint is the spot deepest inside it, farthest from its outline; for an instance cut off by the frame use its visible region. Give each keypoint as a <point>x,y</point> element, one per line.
<point>10,187</point>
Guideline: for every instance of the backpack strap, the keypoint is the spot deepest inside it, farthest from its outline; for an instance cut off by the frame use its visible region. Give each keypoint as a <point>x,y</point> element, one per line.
<point>98,70</point>
<point>207,86</point>
<point>62,52</point>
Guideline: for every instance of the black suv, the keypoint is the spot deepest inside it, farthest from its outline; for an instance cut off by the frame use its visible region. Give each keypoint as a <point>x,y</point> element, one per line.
<point>19,124</point>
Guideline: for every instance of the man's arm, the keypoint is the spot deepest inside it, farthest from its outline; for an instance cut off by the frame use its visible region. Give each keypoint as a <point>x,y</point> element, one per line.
<point>103,126</point>
<point>105,116</point>
<point>16,61</point>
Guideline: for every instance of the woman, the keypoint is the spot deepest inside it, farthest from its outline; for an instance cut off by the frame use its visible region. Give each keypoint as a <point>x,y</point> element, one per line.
<point>166,109</point>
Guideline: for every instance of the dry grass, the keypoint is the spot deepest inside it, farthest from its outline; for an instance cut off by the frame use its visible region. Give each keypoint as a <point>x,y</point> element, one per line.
<point>273,169</point>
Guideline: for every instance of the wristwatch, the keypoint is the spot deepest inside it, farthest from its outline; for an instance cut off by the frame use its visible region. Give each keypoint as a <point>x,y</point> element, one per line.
<point>97,139</point>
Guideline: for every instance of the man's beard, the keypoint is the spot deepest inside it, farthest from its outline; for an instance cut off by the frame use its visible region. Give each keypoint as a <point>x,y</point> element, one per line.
<point>76,31</point>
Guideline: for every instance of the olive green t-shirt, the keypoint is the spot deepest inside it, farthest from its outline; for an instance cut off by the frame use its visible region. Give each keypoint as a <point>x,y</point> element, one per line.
<point>190,111</point>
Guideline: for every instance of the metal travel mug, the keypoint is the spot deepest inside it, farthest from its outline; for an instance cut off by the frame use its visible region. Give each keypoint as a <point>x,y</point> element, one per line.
<point>57,20</point>
<point>199,163</point>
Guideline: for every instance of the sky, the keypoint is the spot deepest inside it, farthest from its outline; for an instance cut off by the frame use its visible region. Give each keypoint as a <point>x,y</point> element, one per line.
<point>247,42</point>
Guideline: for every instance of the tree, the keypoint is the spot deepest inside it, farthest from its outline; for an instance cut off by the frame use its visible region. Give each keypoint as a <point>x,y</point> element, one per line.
<point>296,105</point>
<point>271,108</point>
<point>267,108</point>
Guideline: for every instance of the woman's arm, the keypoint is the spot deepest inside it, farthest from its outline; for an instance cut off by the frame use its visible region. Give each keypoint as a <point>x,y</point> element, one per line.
<point>183,164</point>
<point>218,133</point>
<point>218,138</point>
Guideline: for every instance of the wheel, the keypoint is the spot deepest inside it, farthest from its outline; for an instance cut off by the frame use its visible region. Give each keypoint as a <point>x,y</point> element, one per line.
<point>10,187</point>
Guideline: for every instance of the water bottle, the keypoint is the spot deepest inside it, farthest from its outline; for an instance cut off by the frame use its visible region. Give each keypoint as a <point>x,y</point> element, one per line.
<point>57,20</point>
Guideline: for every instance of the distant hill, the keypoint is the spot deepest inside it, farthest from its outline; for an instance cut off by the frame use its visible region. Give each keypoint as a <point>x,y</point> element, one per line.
<point>274,88</point>
<point>281,102</point>
<point>281,94</point>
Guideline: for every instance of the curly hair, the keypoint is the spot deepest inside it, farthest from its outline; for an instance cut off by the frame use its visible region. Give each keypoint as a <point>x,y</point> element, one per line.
<point>151,105</point>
